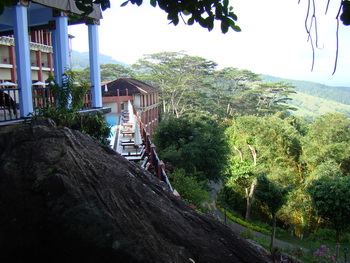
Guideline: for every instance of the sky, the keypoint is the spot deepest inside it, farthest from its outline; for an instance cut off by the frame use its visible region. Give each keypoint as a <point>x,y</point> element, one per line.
<point>273,40</point>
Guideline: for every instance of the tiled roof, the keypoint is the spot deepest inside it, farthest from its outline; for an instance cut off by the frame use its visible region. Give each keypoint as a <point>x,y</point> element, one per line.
<point>134,86</point>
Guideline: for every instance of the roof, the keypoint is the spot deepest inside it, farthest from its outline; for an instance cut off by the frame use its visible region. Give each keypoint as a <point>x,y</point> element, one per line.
<point>70,6</point>
<point>132,85</point>
<point>40,13</point>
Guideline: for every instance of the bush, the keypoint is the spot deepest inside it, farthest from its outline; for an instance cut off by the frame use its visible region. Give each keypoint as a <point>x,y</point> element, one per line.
<point>192,190</point>
<point>244,223</point>
<point>323,234</point>
<point>65,112</point>
<point>247,234</point>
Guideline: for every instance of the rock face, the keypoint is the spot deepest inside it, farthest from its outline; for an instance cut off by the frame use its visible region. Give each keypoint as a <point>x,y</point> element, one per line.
<point>66,198</point>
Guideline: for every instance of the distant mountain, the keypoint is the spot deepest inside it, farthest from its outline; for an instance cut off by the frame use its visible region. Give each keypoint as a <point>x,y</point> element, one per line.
<point>80,60</point>
<point>310,106</point>
<point>338,94</point>
<point>313,99</point>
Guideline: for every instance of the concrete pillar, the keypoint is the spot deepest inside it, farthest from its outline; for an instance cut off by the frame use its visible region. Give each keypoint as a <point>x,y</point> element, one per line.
<point>95,75</point>
<point>24,75</point>
<point>60,46</point>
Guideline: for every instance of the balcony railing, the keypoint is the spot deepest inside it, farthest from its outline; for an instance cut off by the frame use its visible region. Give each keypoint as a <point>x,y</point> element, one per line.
<point>42,98</point>
<point>9,104</point>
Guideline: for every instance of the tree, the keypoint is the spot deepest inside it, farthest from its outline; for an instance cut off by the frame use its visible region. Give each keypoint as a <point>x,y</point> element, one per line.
<point>228,92</point>
<point>109,72</point>
<point>273,97</point>
<point>191,190</point>
<point>235,92</point>
<point>274,197</point>
<point>328,139</point>
<point>180,78</point>
<point>243,175</point>
<point>262,144</point>
<point>331,196</point>
<point>195,144</point>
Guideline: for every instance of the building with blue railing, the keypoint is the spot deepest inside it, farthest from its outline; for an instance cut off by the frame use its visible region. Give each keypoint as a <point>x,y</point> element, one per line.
<point>25,63</point>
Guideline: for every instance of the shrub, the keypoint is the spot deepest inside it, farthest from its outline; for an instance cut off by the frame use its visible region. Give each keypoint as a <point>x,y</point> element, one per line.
<point>244,223</point>
<point>323,234</point>
<point>65,112</point>
<point>247,234</point>
<point>324,254</point>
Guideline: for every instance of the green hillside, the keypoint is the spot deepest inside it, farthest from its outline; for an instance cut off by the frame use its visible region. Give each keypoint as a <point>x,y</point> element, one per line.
<point>338,94</point>
<point>311,106</point>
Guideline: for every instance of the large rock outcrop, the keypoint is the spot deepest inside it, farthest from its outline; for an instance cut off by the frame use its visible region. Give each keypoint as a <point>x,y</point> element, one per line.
<point>66,198</point>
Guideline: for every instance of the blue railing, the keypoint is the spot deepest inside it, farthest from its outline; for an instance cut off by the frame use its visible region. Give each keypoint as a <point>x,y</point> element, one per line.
<point>42,98</point>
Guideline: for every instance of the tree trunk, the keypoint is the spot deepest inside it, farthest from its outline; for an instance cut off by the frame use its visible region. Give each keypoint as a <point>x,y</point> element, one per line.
<point>337,236</point>
<point>249,200</point>
<point>240,153</point>
<point>273,231</point>
<point>254,154</point>
<point>337,244</point>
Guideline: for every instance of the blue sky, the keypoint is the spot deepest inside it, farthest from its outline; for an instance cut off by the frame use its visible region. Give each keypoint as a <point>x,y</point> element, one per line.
<point>273,39</point>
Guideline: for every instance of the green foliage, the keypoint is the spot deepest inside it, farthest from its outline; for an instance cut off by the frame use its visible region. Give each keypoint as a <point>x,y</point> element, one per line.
<point>316,90</point>
<point>109,72</point>
<point>234,198</point>
<point>191,84</point>
<point>95,125</point>
<point>244,223</point>
<point>331,196</point>
<point>247,234</point>
<point>310,106</point>
<point>268,144</point>
<point>196,145</point>
<point>230,92</point>
<point>327,235</point>
<point>328,139</point>
<point>202,12</point>
<point>69,101</point>
<point>270,194</point>
<point>191,190</point>
<point>180,78</point>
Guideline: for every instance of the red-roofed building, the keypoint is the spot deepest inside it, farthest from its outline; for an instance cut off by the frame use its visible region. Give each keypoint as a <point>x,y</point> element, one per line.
<point>144,97</point>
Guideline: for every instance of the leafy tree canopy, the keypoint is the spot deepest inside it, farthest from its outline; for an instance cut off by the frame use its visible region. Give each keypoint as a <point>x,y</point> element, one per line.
<point>270,194</point>
<point>194,144</point>
<point>192,191</point>
<point>273,196</point>
<point>328,139</point>
<point>331,196</point>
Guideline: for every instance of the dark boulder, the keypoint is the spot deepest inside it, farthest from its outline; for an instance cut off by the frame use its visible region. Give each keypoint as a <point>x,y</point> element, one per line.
<point>66,198</point>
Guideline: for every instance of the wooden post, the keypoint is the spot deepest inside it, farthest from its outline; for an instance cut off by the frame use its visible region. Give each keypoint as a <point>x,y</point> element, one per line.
<point>148,149</point>
<point>153,147</point>
<point>161,166</point>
